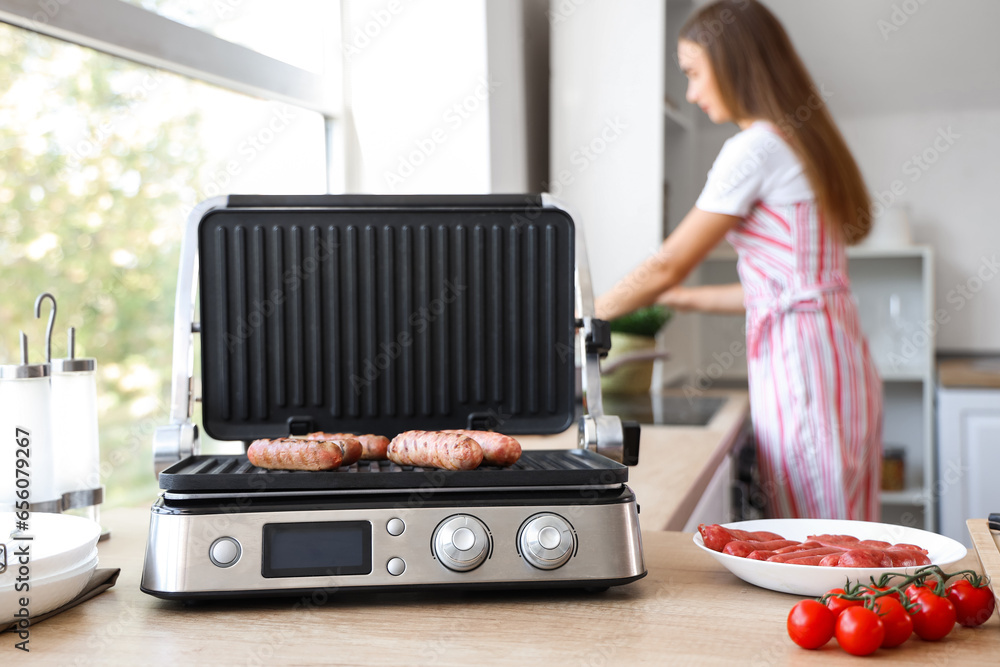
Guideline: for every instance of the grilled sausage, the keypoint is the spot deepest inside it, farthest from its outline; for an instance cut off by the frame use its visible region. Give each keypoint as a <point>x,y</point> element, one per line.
<point>433,449</point>
<point>372,446</point>
<point>350,444</point>
<point>498,449</point>
<point>295,454</point>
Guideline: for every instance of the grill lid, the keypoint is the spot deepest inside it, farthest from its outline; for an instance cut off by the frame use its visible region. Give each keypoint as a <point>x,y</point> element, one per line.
<point>535,468</point>
<point>372,314</point>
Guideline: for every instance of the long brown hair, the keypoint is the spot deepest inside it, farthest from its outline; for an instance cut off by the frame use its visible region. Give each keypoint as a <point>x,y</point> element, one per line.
<point>760,76</point>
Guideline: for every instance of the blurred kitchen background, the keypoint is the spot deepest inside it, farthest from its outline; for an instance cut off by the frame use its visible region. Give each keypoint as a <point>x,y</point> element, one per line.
<point>116,118</point>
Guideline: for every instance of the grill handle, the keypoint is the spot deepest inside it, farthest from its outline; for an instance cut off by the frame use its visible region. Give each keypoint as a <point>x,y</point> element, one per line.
<point>601,433</point>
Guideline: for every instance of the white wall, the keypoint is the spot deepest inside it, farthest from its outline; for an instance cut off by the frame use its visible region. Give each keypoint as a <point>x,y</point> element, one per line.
<point>607,127</point>
<point>418,94</point>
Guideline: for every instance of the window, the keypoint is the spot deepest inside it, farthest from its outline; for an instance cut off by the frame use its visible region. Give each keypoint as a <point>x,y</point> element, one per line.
<point>102,158</point>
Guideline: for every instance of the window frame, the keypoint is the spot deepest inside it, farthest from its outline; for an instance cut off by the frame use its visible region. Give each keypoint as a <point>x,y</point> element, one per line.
<point>141,36</point>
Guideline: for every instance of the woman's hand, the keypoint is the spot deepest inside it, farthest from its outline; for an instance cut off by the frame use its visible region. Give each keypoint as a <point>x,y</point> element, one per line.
<point>679,298</point>
<point>722,299</point>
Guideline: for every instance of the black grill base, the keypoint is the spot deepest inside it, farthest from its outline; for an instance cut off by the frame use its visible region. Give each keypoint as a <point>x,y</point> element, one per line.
<point>535,468</point>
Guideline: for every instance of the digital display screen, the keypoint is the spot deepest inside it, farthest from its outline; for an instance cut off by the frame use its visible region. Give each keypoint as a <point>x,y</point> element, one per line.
<point>317,549</point>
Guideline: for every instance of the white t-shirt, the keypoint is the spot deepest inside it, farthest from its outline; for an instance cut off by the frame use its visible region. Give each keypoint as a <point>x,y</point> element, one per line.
<point>754,165</point>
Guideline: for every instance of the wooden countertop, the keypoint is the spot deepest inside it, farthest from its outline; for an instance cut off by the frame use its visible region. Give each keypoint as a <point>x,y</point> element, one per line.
<point>676,463</point>
<point>688,610</point>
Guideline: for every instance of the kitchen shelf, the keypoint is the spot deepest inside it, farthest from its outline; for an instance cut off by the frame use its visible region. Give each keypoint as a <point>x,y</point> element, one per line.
<point>904,497</point>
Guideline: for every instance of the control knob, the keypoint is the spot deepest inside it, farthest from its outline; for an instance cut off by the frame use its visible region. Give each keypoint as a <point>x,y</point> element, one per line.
<point>546,541</point>
<point>461,542</point>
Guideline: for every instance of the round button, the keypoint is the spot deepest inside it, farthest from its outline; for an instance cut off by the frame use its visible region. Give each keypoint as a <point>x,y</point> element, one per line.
<point>549,537</point>
<point>225,551</point>
<point>546,541</point>
<point>463,539</point>
<point>461,542</point>
<point>395,527</point>
<point>396,566</point>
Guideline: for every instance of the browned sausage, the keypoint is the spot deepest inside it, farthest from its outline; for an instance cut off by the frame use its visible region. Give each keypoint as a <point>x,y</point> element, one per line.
<point>433,449</point>
<point>373,447</point>
<point>349,444</point>
<point>498,449</point>
<point>295,454</point>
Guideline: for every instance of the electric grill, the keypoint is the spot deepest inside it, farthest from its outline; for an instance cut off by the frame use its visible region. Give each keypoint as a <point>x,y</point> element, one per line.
<point>380,314</point>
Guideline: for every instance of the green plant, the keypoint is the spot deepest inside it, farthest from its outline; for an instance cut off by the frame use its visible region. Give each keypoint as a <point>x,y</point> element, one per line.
<point>642,322</point>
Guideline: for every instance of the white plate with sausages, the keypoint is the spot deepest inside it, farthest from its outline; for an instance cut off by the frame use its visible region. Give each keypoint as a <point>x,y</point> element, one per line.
<point>813,580</point>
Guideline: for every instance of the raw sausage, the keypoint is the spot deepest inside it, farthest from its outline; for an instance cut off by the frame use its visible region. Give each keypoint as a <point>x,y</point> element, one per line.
<point>373,446</point>
<point>716,537</point>
<point>498,449</point>
<point>743,549</point>
<point>907,558</point>
<point>295,454</point>
<point>865,558</point>
<point>794,555</point>
<point>433,449</point>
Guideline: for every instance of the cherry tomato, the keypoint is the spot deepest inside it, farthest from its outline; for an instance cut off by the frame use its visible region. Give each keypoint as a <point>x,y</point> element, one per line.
<point>896,620</point>
<point>870,591</point>
<point>838,605</point>
<point>810,624</point>
<point>934,616</point>
<point>973,605</point>
<point>913,590</point>
<point>859,631</point>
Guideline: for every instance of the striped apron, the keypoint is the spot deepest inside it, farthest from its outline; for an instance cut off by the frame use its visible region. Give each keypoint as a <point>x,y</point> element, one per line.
<point>815,394</point>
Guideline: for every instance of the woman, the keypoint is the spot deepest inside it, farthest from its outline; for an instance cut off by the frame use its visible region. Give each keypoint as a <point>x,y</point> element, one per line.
<point>788,196</point>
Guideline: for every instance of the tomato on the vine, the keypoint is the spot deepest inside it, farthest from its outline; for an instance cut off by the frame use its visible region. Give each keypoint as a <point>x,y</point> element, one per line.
<point>934,616</point>
<point>915,589</point>
<point>838,605</point>
<point>895,619</point>
<point>973,604</point>
<point>859,631</point>
<point>810,624</point>
<point>871,591</point>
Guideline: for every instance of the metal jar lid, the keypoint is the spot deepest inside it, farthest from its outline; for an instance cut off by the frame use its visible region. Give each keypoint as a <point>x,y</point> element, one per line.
<point>73,365</point>
<point>24,371</point>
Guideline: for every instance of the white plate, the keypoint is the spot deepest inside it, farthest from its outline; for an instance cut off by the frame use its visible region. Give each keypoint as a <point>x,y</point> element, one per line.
<point>60,542</point>
<point>813,580</point>
<point>48,593</point>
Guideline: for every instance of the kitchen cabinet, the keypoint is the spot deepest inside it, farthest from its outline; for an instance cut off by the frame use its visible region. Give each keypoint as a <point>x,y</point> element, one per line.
<point>968,436</point>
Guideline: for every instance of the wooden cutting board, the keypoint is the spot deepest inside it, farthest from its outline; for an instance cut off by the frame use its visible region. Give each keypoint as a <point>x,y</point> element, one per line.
<point>987,544</point>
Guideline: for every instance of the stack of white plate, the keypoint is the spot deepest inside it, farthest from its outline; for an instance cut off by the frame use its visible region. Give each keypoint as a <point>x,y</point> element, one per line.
<point>63,555</point>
